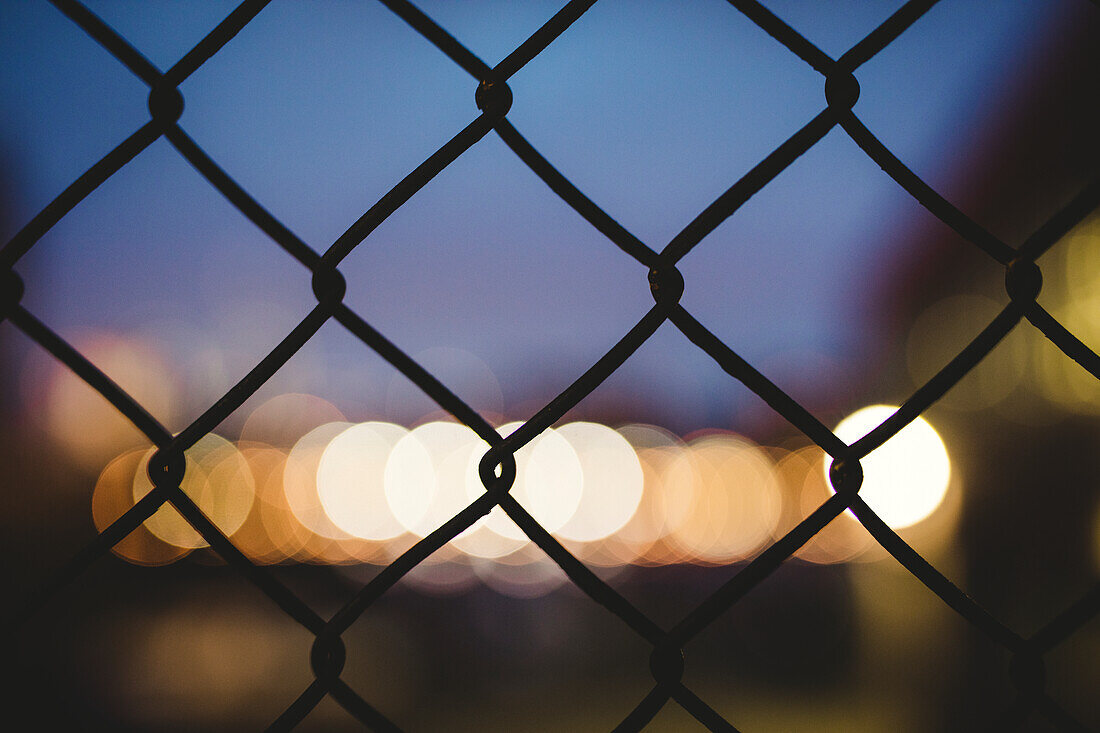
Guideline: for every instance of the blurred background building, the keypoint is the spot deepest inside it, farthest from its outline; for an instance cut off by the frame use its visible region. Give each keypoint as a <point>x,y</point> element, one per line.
<point>832,281</point>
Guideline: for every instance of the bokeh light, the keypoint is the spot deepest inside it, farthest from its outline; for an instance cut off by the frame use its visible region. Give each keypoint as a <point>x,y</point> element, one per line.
<point>640,539</point>
<point>613,481</point>
<point>905,478</point>
<point>271,533</point>
<point>427,474</point>
<point>300,481</point>
<point>842,539</point>
<point>737,501</point>
<point>1071,274</point>
<point>351,480</point>
<point>1081,248</point>
<point>642,436</point>
<point>219,481</point>
<point>349,494</point>
<point>549,483</point>
<point>114,496</point>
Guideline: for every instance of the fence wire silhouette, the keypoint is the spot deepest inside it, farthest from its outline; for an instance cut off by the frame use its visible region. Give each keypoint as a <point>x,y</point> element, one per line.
<point>1022,282</point>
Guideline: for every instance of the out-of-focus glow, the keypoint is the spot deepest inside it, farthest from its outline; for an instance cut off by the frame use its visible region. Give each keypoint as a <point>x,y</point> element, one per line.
<point>300,480</point>
<point>113,496</point>
<point>904,479</point>
<point>251,538</point>
<point>217,479</point>
<point>737,504</point>
<point>285,418</point>
<point>427,474</point>
<point>353,494</point>
<point>941,332</point>
<point>383,552</point>
<point>87,426</point>
<point>642,436</point>
<point>932,536</point>
<point>842,539</point>
<point>271,533</point>
<point>672,490</point>
<point>479,540</point>
<point>613,481</point>
<point>1082,262</point>
<point>348,551</point>
<point>548,484</point>
<point>230,490</point>
<point>1061,380</point>
<point>790,470</point>
<point>682,491</point>
<point>351,480</point>
<point>1070,293</point>
<point>639,540</point>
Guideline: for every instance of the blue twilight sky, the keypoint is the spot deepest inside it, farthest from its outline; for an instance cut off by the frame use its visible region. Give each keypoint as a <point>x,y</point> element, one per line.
<point>652,109</point>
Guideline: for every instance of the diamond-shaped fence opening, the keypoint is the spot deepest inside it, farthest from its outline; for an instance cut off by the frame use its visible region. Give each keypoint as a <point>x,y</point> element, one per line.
<point>181,503</point>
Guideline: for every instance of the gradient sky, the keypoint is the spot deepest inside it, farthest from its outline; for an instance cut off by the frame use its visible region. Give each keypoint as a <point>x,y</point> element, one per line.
<point>652,109</point>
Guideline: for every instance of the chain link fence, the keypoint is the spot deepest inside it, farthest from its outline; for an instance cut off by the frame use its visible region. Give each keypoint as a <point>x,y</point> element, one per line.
<point>1023,281</point>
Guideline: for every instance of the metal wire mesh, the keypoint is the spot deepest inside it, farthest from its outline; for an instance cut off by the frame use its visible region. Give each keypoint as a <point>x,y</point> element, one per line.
<point>1023,281</point>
